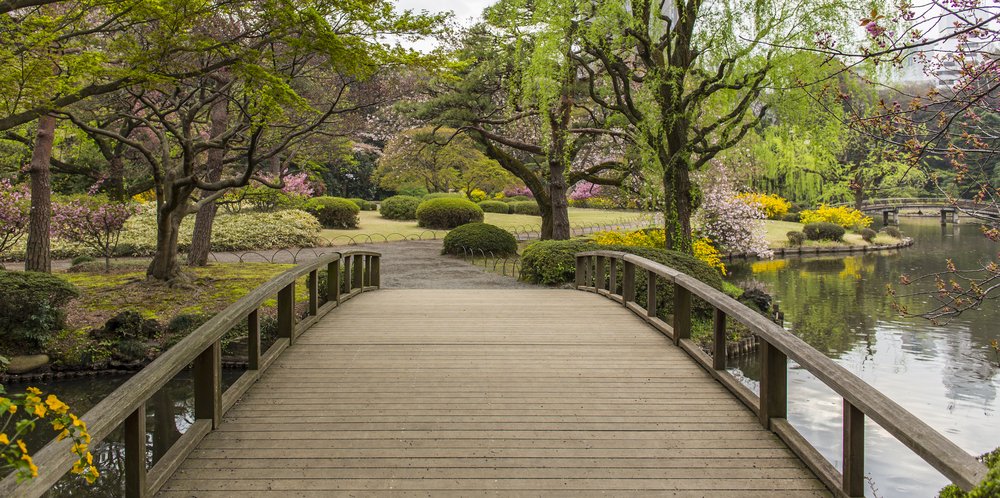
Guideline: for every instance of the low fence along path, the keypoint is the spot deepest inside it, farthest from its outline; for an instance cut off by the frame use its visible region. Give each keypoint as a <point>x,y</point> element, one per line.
<point>464,391</point>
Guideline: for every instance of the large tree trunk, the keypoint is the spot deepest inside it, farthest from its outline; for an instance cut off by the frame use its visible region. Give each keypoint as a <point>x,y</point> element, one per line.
<point>678,208</point>
<point>37,256</point>
<point>115,183</point>
<point>559,213</point>
<point>165,265</point>
<point>201,241</point>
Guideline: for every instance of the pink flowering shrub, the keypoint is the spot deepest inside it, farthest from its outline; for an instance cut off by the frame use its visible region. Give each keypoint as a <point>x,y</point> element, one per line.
<point>524,191</point>
<point>297,188</point>
<point>15,203</point>
<point>731,223</point>
<point>93,222</point>
<point>585,190</point>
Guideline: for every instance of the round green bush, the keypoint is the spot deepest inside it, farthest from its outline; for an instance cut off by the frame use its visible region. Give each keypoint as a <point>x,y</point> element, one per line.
<point>495,207</point>
<point>518,198</point>
<point>792,217</point>
<point>31,306</point>
<point>795,238</point>
<point>448,213</point>
<point>333,212</point>
<point>868,235</point>
<point>823,231</point>
<point>553,262</point>
<point>525,207</point>
<point>444,195</point>
<point>892,232</point>
<point>363,204</point>
<point>479,237</point>
<point>400,207</point>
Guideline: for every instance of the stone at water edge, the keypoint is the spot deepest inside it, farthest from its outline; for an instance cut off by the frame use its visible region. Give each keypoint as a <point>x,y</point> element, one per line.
<point>25,364</point>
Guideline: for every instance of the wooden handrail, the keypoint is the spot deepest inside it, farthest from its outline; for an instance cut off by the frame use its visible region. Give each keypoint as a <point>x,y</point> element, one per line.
<point>125,406</point>
<point>860,399</point>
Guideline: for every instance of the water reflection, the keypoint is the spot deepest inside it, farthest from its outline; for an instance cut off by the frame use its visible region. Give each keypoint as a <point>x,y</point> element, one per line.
<point>839,305</point>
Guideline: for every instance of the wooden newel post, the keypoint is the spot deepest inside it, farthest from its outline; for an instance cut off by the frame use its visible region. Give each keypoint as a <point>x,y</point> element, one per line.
<point>377,271</point>
<point>367,279</point>
<point>358,274</point>
<point>253,340</point>
<point>333,281</point>
<point>650,293</point>
<point>599,274</point>
<point>613,276</point>
<point>135,453</point>
<point>719,340</point>
<point>628,283</point>
<point>208,385</point>
<point>286,313</point>
<point>682,313</point>
<point>313,284</point>
<point>347,275</point>
<point>773,384</point>
<point>854,451</point>
<point>579,272</point>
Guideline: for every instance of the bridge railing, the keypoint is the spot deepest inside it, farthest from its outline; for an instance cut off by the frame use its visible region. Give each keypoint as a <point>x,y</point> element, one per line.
<point>613,274</point>
<point>348,274</point>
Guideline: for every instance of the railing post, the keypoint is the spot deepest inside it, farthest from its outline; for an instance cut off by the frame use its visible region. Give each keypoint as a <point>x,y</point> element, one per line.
<point>333,281</point>
<point>253,340</point>
<point>135,453</point>
<point>366,280</point>
<point>208,385</point>
<point>719,344</point>
<point>377,272</point>
<point>773,384</point>
<point>347,275</point>
<point>650,294</point>
<point>599,274</point>
<point>357,275</point>
<point>613,276</point>
<point>682,313</point>
<point>286,313</point>
<point>628,283</point>
<point>854,451</point>
<point>579,271</point>
<point>313,284</point>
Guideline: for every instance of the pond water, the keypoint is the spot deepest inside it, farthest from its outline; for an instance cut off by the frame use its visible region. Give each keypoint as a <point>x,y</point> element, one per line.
<point>940,373</point>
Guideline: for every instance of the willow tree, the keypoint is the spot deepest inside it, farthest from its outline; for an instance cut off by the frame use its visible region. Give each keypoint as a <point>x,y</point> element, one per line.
<point>688,77</point>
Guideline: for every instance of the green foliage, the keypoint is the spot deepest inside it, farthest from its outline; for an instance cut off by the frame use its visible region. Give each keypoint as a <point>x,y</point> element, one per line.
<point>795,238</point>
<point>443,195</point>
<point>333,212</point>
<point>792,217</point>
<point>400,207</point>
<point>892,232</point>
<point>185,323</point>
<point>518,198</point>
<point>363,204</point>
<point>868,235</point>
<point>525,207</point>
<point>823,231</point>
<point>418,192</point>
<point>495,207</point>
<point>448,213</point>
<point>989,488</point>
<point>480,238</point>
<point>552,262</point>
<point>84,258</point>
<point>31,306</point>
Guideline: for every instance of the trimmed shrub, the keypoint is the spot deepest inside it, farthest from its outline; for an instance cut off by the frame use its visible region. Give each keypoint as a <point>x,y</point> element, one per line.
<point>795,238</point>
<point>823,231</point>
<point>79,260</point>
<point>892,232</point>
<point>448,213</point>
<point>792,217</point>
<point>844,216</point>
<point>989,487</point>
<point>248,231</point>
<point>363,204</point>
<point>333,212</point>
<point>495,207</point>
<point>444,195</point>
<point>31,306</point>
<point>525,207</point>
<point>479,237</point>
<point>773,206</point>
<point>400,207</point>
<point>418,192</point>
<point>518,198</point>
<point>868,235</point>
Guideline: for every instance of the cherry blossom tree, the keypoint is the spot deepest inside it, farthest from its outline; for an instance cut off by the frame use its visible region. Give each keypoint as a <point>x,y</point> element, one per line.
<point>731,223</point>
<point>93,222</point>
<point>14,201</point>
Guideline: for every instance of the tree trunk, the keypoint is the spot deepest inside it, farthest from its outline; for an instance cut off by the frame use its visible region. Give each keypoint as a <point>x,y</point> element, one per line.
<point>859,198</point>
<point>37,256</point>
<point>678,208</point>
<point>115,183</point>
<point>545,208</point>
<point>165,265</point>
<point>201,241</point>
<point>559,214</point>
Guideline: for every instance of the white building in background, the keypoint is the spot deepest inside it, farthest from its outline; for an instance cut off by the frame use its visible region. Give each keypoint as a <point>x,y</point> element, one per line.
<point>938,64</point>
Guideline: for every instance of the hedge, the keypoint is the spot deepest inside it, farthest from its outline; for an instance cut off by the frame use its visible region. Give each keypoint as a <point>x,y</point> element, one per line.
<point>333,212</point>
<point>823,231</point>
<point>525,207</point>
<point>444,195</point>
<point>494,207</point>
<point>31,306</point>
<point>400,207</point>
<point>795,238</point>
<point>479,237</point>
<point>448,213</point>
<point>363,204</point>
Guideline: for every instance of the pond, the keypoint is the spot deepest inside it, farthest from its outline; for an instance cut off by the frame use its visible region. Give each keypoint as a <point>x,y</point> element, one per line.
<point>940,373</point>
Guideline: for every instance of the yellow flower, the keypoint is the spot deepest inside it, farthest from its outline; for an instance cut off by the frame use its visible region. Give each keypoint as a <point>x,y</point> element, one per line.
<point>31,465</point>
<point>12,409</point>
<point>35,391</point>
<point>3,439</point>
<point>20,444</point>
<point>63,435</point>
<point>92,475</point>
<point>56,405</point>
<point>40,410</point>
<point>79,449</point>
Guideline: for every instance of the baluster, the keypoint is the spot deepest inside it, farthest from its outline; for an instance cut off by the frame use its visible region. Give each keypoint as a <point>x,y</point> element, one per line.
<point>286,313</point>
<point>854,451</point>
<point>333,281</point>
<point>650,294</point>
<point>580,272</point>
<point>376,271</point>
<point>613,276</point>
<point>719,341</point>
<point>628,283</point>
<point>135,453</point>
<point>313,284</point>
<point>682,313</point>
<point>773,384</point>
<point>367,281</point>
<point>347,275</point>
<point>599,274</point>
<point>358,273</point>
<point>253,340</point>
<point>208,384</point>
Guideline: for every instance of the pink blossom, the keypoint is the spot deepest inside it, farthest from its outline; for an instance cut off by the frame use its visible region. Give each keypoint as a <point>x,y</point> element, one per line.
<point>731,223</point>
<point>585,190</point>
<point>93,223</point>
<point>14,213</point>
<point>511,192</point>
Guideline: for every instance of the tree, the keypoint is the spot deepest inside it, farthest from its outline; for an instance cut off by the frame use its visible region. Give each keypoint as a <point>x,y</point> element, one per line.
<point>688,77</point>
<point>93,222</point>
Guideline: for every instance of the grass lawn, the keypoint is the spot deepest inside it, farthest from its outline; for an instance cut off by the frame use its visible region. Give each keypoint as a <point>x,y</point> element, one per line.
<point>776,237</point>
<point>380,229</point>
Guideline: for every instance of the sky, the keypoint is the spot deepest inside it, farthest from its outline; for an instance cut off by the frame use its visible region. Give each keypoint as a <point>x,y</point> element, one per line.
<point>463,9</point>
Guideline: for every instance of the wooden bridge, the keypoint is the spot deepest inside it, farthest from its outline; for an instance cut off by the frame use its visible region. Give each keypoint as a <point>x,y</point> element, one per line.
<point>461,392</point>
<point>950,209</point>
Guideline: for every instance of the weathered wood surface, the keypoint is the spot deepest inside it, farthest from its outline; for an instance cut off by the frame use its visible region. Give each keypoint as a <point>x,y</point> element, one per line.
<point>462,392</point>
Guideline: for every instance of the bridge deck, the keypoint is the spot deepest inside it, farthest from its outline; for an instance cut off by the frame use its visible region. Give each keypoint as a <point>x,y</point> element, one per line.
<point>465,392</point>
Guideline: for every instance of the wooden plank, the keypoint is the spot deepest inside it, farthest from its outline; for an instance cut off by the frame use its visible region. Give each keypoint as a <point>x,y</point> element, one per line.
<point>176,455</point>
<point>854,451</point>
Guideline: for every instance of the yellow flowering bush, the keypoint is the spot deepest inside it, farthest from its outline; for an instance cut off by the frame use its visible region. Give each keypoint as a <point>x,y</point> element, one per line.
<point>703,248</point>
<point>844,216</point>
<point>21,413</point>
<point>477,195</point>
<point>772,205</point>
<point>145,197</point>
